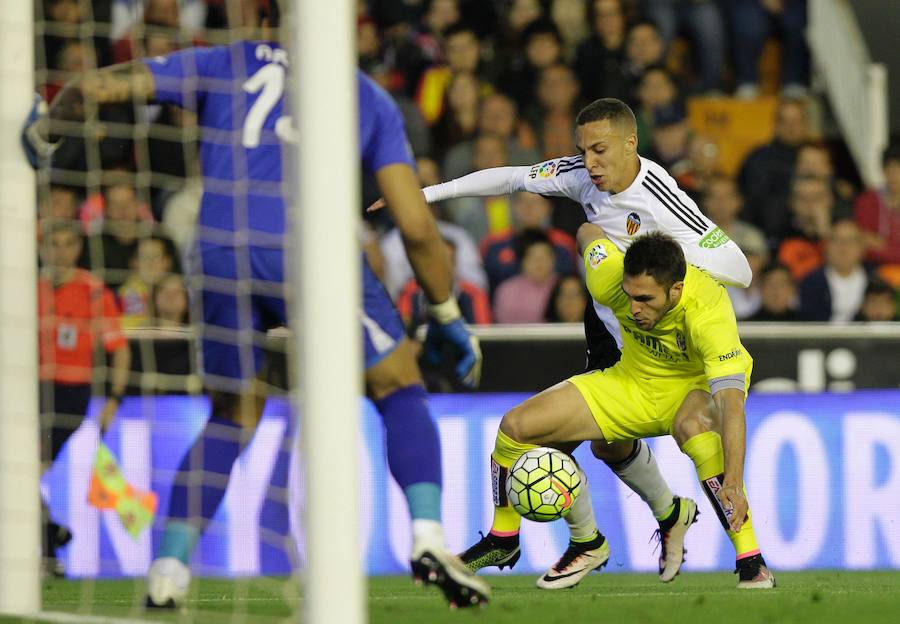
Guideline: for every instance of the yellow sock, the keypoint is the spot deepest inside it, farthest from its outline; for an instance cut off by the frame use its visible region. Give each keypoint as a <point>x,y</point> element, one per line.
<point>705,450</point>
<point>506,452</point>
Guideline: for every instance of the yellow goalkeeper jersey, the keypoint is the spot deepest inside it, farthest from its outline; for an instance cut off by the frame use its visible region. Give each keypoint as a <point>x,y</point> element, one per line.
<point>698,337</point>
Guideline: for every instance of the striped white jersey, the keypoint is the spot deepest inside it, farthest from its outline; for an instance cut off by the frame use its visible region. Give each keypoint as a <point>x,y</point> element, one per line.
<point>653,202</point>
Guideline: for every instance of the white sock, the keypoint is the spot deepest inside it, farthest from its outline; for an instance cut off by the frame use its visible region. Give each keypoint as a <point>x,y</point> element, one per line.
<point>641,473</point>
<point>581,520</point>
<point>428,532</point>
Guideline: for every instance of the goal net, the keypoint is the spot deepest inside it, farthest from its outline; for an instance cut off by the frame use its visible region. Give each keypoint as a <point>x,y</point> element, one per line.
<point>160,385</point>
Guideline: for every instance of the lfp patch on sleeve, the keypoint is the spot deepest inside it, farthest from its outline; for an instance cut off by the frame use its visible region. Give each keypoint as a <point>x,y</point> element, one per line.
<point>596,255</point>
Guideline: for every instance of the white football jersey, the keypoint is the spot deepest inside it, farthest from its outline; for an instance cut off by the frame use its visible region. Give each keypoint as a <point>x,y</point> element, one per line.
<point>653,202</point>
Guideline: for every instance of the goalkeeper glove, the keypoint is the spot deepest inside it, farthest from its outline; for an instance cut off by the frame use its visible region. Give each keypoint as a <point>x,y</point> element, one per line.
<point>37,149</point>
<point>446,329</point>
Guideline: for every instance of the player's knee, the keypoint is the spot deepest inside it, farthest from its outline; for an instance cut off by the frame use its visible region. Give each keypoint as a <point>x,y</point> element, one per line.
<point>397,370</point>
<point>690,425</point>
<point>515,424</point>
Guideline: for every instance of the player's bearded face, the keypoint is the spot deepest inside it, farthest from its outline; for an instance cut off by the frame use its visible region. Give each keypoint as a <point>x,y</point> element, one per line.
<point>650,300</point>
<point>606,150</point>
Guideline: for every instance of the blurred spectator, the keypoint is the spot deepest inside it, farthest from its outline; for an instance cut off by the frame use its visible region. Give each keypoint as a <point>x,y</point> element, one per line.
<point>778,295</point>
<point>523,298</point>
<point>473,300</point>
<point>751,23</point>
<point>722,204</point>
<point>644,47</point>
<point>568,300</point>
<point>812,211</point>
<point>417,130</point>
<point>554,118</point>
<point>600,58</point>
<point>879,302</point>
<point>397,270</point>
<point>701,167</point>
<point>703,22</point>
<point>481,216</point>
<point>459,118</point>
<point>76,316</point>
<point>531,213</point>
<point>767,170</point>
<point>671,139</point>
<point>463,55</point>
<point>59,202</point>
<point>169,302</point>
<point>814,159</point>
<point>835,292</point>
<point>497,117</point>
<point>184,19</point>
<point>109,253</point>
<point>878,212</point>
<point>570,17</point>
<point>155,257</point>
<point>543,49</point>
<point>65,21</point>
<point>656,89</point>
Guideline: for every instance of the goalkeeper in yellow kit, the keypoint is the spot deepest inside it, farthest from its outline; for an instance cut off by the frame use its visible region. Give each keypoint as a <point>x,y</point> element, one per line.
<point>683,373</point>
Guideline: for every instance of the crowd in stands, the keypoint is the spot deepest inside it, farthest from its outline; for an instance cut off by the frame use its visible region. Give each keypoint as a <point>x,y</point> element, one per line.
<point>491,83</point>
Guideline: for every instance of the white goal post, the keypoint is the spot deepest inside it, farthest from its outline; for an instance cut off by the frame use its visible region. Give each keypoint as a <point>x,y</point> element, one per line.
<point>19,455</point>
<point>325,317</point>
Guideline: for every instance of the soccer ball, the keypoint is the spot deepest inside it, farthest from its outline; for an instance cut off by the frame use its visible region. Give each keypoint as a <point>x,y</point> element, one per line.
<point>543,484</point>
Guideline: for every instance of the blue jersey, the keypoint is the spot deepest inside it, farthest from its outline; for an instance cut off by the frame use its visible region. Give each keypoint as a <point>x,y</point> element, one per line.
<point>238,94</point>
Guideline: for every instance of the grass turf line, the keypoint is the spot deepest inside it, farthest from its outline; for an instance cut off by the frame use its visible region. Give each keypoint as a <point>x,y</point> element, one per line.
<point>817,596</point>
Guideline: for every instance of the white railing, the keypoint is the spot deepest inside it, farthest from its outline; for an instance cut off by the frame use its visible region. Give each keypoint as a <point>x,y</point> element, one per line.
<point>856,87</point>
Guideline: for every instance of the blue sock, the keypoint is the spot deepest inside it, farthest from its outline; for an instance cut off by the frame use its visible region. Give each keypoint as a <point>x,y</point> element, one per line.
<point>213,454</point>
<point>413,449</point>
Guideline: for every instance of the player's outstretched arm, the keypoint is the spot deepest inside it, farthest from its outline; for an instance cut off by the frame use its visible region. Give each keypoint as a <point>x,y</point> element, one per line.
<point>78,101</point>
<point>484,183</point>
<point>730,404</point>
<point>431,264</point>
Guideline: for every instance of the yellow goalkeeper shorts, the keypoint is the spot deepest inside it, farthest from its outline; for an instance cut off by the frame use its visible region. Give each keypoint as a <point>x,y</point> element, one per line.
<point>627,408</point>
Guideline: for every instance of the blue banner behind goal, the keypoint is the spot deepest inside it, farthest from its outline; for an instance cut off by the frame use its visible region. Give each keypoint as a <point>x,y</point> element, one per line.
<point>822,471</point>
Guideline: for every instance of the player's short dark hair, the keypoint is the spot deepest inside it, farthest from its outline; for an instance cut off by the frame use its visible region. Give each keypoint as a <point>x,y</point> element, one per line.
<point>891,154</point>
<point>615,110</point>
<point>657,255</point>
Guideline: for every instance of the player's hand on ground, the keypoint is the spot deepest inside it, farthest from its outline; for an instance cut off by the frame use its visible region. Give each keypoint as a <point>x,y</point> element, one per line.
<point>446,330</point>
<point>377,205</point>
<point>735,504</point>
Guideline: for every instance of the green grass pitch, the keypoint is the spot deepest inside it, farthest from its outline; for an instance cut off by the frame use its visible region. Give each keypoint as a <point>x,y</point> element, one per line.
<point>819,596</point>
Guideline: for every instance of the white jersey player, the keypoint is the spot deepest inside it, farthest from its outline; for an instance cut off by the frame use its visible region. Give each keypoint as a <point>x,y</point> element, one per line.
<point>651,202</point>
<point>625,195</point>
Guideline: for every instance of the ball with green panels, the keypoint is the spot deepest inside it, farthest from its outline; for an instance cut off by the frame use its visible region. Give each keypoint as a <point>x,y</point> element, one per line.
<point>543,484</point>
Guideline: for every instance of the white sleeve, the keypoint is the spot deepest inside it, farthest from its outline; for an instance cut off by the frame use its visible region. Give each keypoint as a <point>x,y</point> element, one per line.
<point>484,183</point>
<point>725,262</point>
<point>561,177</point>
<point>705,245</point>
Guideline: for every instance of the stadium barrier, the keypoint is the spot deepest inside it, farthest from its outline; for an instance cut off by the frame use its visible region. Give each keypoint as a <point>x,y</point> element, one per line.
<point>823,475</point>
<point>788,357</point>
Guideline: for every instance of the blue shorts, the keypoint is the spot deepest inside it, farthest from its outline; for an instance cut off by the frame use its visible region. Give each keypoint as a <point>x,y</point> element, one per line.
<point>381,324</point>
<point>240,295</point>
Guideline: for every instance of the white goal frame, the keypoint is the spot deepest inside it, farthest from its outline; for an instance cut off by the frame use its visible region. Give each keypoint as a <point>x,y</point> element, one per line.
<point>20,511</point>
